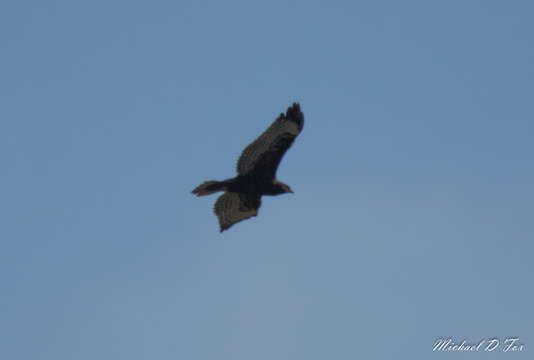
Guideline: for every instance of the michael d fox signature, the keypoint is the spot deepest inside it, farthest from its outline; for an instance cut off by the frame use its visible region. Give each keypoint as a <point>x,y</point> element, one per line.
<point>511,344</point>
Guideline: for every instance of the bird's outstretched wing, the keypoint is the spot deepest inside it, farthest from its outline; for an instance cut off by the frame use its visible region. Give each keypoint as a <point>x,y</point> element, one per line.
<point>233,207</point>
<point>263,156</point>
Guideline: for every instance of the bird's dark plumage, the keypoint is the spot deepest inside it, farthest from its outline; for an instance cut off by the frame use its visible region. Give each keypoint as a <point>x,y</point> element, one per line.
<point>256,171</point>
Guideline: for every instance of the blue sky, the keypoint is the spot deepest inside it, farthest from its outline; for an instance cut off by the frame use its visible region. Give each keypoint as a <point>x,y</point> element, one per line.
<point>412,213</point>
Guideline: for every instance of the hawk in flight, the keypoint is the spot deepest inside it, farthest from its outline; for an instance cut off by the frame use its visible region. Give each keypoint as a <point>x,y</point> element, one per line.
<point>256,171</point>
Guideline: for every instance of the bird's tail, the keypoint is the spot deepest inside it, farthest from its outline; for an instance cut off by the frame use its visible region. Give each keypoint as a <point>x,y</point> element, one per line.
<point>209,187</point>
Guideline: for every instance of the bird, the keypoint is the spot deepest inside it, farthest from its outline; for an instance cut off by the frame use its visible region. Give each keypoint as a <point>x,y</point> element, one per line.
<point>256,171</point>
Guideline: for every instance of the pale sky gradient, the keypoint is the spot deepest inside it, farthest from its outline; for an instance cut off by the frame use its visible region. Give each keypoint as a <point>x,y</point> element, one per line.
<point>412,217</point>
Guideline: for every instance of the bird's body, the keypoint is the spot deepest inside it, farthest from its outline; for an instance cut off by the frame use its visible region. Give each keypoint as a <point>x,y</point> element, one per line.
<point>256,170</point>
<point>250,184</point>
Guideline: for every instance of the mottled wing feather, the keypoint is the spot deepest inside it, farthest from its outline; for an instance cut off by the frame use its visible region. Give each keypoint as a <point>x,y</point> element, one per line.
<point>233,207</point>
<point>263,156</point>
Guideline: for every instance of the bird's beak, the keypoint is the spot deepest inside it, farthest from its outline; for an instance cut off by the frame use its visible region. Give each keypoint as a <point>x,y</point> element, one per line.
<point>291,191</point>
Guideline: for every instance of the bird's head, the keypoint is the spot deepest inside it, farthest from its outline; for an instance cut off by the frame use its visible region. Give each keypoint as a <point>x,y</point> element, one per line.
<point>283,188</point>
